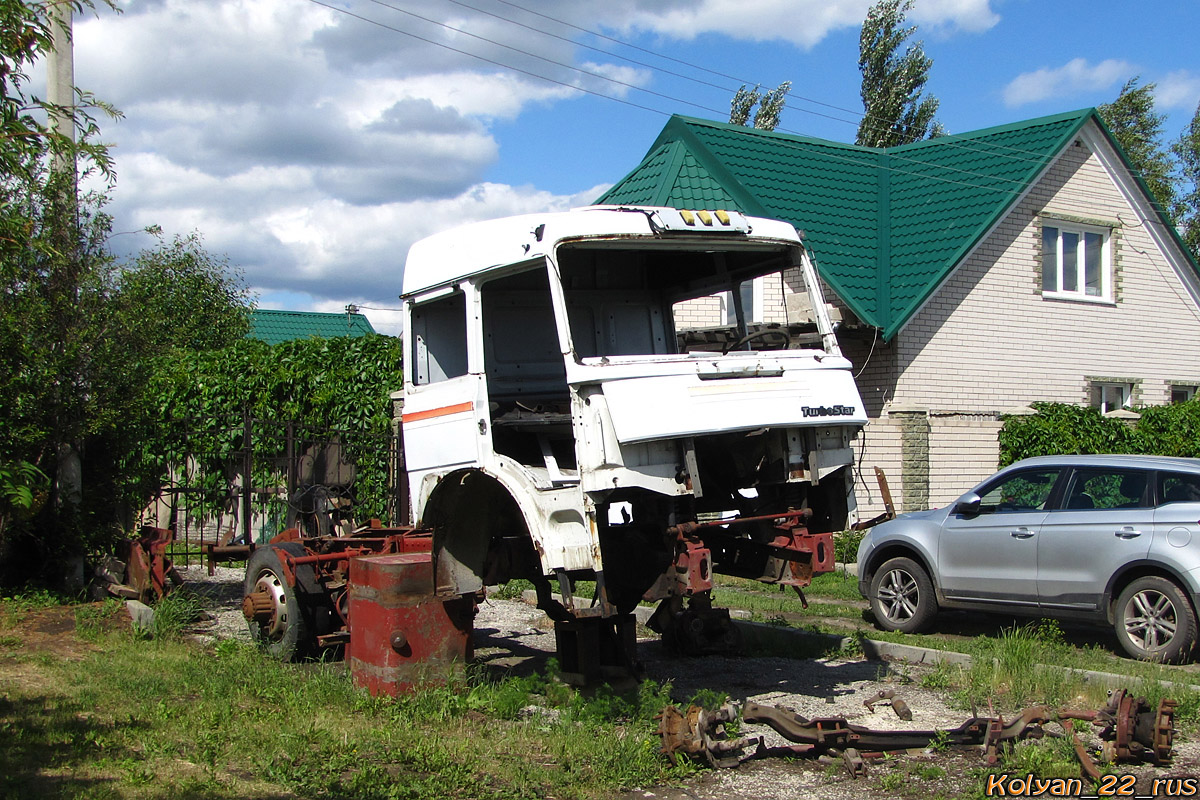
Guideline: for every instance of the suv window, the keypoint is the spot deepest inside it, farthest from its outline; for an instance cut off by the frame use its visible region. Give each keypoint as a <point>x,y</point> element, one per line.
<point>1106,488</point>
<point>1178,487</point>
<point>1025,491</point>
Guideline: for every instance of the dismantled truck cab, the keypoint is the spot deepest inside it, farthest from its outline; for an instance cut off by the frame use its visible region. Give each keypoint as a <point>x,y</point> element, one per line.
<point>559,426</point>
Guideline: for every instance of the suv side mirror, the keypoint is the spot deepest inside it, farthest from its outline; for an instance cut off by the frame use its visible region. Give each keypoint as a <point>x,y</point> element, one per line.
<point>968,504</point>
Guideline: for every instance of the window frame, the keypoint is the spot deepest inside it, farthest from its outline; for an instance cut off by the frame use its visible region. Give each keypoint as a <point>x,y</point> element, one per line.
<point>1188,389</point>
<point>1048,503</point>
<point>451,359</point>
<point>1126,387</point>
<point>1079,292</point>
<point>1083,473</point>
<point>757,308</point>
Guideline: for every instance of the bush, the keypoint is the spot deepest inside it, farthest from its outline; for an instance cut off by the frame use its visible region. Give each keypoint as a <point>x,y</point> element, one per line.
<point>1058,428</point>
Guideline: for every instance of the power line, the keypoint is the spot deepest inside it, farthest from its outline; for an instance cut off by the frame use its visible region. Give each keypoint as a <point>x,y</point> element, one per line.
<point>574,43</point>
<point>543,58</point>
<point>745,81</point>
<point>485,59</point>
<point>612,80</point>
<point>967,144</point>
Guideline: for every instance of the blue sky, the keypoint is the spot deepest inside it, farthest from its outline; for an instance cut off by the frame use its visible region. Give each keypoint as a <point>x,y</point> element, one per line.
<point>313,142</point>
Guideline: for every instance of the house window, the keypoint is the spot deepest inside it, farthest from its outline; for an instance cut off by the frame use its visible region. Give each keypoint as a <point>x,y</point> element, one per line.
<point>1111,396</point>
<point>1181,394</point>
<point>751,294</point>
<point>1076,262</point>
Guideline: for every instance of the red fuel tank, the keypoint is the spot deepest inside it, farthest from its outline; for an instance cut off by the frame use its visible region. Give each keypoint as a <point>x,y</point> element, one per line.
<point>401,634</point>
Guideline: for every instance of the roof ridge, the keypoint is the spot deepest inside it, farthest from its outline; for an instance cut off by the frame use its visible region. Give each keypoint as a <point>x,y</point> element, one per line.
<point>993,130</point>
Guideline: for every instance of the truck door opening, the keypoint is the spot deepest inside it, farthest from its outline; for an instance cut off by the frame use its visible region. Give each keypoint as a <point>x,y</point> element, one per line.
<point>529,405</point>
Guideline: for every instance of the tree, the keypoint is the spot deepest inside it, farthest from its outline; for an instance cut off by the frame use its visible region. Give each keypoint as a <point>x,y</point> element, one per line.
<point>894,112</point>
<point>770,106</point>
<point>79,331</point>
<point>1187,150</point>
<point>183,296</point>
<point>1138,130</point>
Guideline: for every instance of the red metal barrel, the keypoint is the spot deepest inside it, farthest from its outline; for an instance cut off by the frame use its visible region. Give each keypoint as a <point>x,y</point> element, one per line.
<point>401,634</point>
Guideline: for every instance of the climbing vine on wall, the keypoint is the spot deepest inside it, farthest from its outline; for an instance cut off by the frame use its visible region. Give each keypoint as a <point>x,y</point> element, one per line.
<point>197,401</point>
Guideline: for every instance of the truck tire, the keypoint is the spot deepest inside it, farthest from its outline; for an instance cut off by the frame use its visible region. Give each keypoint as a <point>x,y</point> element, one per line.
<point>1154,621</point>
<point>902,596</point>
<point>285,634</point>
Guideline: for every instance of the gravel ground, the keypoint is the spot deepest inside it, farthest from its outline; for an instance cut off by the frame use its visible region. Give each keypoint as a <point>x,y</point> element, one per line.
<point>510,635</point>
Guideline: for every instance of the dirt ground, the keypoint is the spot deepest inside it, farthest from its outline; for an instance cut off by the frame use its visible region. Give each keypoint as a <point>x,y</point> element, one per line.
<point>513,636</point>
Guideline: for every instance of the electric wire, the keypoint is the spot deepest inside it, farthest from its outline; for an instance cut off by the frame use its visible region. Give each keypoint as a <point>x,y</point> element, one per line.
<point>593,48</point>
<point>595,93</point>
<point>968,144</point>
<point>385,26</point>
<point>744,81</point>
<point>544,58</point>
<point>964,144</point>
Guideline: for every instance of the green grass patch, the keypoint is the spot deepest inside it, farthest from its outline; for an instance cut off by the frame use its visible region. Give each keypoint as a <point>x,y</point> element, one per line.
<point>164,717</point>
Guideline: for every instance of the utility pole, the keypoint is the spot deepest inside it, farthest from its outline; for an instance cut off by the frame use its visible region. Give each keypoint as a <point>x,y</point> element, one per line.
<point>60,81</point>
<point>60,94</point>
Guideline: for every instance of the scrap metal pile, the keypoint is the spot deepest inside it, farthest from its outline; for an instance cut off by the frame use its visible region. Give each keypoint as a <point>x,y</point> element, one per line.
<point>1130,729</point>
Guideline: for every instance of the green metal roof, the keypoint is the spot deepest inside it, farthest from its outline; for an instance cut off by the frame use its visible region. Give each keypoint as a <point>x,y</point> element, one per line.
<point>885,226</point>
<point>273,327</point>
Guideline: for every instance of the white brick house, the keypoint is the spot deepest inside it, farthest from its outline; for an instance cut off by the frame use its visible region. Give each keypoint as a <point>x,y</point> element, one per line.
<point>977,273</point>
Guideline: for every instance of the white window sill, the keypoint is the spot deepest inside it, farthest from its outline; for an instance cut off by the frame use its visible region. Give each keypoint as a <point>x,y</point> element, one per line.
<point>1073,297</point>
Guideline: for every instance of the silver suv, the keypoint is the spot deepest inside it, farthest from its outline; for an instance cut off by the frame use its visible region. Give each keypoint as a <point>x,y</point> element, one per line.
<point>1110,539</point>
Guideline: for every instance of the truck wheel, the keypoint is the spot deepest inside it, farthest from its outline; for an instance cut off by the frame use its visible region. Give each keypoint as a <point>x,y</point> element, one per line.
<point>272,606</point>
<point>1154,620</point>
<point>902,596</point>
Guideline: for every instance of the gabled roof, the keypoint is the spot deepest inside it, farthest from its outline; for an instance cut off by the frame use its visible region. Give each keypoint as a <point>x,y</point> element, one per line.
<point>273,326</point>
<point>885,225</point>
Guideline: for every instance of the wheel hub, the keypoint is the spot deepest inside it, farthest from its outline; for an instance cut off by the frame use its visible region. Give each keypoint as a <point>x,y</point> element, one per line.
<point>897,594</point>
<point>267,606</point>
<point>1153,624</point>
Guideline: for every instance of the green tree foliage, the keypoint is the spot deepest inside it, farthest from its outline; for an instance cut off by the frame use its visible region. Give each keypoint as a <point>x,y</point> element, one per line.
<point>1186,150</point>
<point>183,296</point>
<point>1138,129</point>
<point>80,332</point>
<point>894,111</point>
<point>83,336</point>
<point>1057,428</point>
<point>770,106</point>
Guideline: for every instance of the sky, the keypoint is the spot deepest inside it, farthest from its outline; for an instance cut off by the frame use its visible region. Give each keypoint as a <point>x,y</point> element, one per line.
<point>311,142</point>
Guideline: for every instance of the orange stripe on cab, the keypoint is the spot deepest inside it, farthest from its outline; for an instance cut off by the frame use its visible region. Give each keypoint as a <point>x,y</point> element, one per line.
<point>437,412</point>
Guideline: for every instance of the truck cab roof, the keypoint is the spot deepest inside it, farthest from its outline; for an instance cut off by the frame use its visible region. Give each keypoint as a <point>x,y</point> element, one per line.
<point>458,253</point>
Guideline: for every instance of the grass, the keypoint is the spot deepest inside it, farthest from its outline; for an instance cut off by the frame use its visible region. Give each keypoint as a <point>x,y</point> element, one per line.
<point>164,717</point>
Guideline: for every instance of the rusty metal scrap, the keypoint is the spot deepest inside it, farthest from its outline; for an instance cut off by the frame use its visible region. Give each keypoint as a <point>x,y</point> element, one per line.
<point>888,697</point>
<point>1131,729</point>
<point>701,734</point>
<point>149,570</point>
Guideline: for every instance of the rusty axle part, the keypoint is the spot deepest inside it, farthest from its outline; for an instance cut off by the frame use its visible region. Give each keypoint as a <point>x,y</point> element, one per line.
<point>1132,732</point>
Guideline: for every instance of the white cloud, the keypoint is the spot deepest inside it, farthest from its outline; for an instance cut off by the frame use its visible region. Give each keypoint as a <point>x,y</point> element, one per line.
<point>802,22</point>
<point>1074,77</point>
<point>945,16</point>
<point>312,148</point>
<point>1179,89</point>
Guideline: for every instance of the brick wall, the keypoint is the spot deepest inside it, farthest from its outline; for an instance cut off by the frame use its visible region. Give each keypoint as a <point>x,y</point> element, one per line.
<point>708,312</point>
<point>988,341</point>
<point>961,450</point>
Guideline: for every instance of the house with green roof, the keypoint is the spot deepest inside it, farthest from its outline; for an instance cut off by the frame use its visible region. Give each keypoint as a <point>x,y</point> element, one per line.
<point>274,326</point>
<point>974,273</point>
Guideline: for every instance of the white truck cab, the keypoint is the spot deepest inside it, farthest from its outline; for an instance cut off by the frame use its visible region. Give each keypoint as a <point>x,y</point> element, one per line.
<point>559,427</point>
